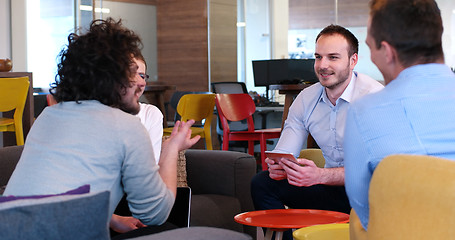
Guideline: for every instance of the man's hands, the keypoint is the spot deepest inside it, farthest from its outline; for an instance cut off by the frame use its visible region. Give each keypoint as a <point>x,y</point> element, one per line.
<point>181,135</point>
<point>305,173</point>
<point>124,224</point>
<point>276,172</point>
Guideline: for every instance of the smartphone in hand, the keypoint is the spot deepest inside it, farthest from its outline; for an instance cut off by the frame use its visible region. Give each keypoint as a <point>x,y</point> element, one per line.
<point>276,156</point>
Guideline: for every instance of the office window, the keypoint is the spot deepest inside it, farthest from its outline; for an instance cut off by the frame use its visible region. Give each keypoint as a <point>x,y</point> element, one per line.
<point>448,37</point>
<point>49,22</point>
<point>308,17</point>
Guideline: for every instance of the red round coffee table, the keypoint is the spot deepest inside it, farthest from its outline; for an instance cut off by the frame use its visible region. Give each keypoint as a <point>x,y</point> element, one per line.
<point>280,220</point>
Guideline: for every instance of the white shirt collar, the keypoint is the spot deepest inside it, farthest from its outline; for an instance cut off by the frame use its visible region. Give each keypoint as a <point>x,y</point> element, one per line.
<point>347,94</point>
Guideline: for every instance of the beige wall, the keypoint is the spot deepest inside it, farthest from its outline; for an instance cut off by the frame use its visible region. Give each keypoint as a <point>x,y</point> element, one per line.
<point>223,41</point>
<point>5,29</point>
<point>280,25</point>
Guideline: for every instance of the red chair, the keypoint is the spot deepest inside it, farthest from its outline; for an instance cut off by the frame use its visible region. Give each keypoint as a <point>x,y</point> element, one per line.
<point>236,107</point>
<point>50,100</point>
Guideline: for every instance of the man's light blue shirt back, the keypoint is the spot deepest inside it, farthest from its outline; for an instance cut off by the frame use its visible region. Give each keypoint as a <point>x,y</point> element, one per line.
<point>414,114</point>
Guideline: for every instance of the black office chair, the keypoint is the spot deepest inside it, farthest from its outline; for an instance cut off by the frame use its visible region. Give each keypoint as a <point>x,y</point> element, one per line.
<point>231,87</point>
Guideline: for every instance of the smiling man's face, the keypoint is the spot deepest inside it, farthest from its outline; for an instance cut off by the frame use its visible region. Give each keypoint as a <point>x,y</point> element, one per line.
<point>333,66</point>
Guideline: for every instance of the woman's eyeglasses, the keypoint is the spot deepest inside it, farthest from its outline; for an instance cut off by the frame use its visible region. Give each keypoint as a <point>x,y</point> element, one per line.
<point>144,76</point>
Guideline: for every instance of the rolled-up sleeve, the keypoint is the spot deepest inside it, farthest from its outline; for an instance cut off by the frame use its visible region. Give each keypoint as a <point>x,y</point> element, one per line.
<point>148,197</point>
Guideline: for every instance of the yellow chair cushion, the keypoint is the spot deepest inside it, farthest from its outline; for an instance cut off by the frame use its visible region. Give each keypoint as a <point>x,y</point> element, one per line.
<point>6,124</point>
<point>338,231</point>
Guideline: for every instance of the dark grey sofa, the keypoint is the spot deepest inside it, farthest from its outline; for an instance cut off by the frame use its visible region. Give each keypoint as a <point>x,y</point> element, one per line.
<point>220,183</point>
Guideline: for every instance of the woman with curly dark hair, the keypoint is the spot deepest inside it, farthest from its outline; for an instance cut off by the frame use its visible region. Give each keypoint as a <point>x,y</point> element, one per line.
<point>91,137</point>
<point>97,65</point>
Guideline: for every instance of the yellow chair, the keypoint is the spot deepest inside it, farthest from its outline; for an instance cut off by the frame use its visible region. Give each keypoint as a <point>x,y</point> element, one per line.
<point>411,197</point>
<point>198,107</point>
<point>13,95</point>
<point>314,154</point>
<point>356,231</point>
<point>338,231</point>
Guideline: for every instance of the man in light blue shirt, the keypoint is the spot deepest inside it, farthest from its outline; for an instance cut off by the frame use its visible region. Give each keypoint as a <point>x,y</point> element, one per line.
<point>321,111</point>
<point>415,113</point>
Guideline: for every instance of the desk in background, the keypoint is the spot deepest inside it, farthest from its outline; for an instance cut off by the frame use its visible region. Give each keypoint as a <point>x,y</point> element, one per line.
<point>264,111</point>
<point>9,138</point>
<point>154,93</point>
<point>290,91</point>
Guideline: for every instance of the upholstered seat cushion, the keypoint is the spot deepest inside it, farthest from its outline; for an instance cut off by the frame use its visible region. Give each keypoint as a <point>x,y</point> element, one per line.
<point>196,233</point>
<point>219,211</point>
<point>82,216</point>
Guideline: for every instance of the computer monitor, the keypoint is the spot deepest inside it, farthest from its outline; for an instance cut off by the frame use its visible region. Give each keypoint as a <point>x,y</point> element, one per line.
<point>261,73</point>
<point>283,71</point>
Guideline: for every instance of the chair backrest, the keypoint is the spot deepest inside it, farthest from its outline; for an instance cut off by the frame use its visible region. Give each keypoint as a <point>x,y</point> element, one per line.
<point>175,99</point>
<point>196,106</point>
<point>412,197</point>
<point>313,154</point>
<point>50,100</point>
<point>13,94</point>
<point>235,107</point>
<point>229,87</point>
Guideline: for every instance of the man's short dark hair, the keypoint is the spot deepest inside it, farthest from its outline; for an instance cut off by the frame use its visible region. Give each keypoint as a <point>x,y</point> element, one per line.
<point>337,29</point>
<point>97,65</point>
<point>413,27</point>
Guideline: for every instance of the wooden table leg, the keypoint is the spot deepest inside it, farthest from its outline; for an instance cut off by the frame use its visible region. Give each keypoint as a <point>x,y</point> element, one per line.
<point>268,234</point>
<point>278,235</point>
<point>287,103</point>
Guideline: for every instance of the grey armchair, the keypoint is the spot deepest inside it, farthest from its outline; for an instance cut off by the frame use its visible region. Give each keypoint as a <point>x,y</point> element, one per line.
<point>220,182</point>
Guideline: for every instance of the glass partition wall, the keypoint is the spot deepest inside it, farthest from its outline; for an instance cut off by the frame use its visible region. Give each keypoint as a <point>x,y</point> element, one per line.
<point>308,17</point>
<point>49,22</point>
<point>139,17</point>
